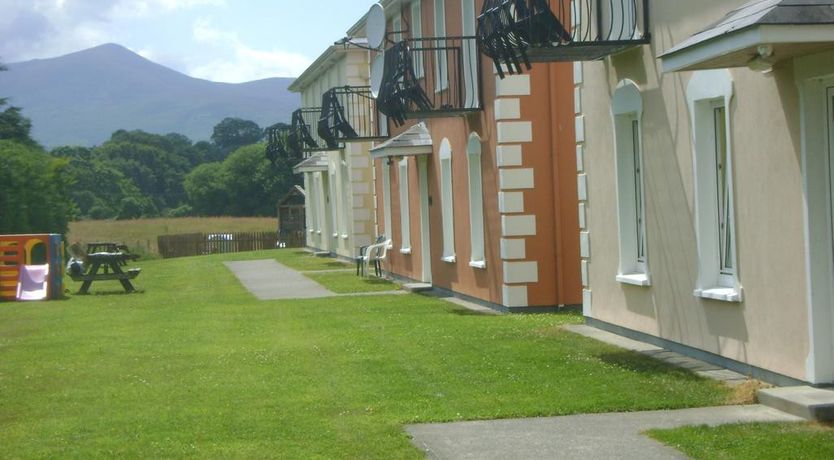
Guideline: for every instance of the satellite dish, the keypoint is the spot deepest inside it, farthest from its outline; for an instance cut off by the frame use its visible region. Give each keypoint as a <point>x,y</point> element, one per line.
<point>377,68</point>
<point>375,26</point>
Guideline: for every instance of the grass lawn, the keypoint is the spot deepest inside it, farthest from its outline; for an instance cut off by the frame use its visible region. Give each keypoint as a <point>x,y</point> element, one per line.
<point>752,441</point>
<point>195,366</point>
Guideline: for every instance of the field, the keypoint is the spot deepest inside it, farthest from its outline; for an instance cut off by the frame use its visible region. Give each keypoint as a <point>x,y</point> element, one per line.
<point>140,234</point>
<point>194,366</point>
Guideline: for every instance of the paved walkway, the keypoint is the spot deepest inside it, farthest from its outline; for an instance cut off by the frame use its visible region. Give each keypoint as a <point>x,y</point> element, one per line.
<point>586,436</point>
<point>268,280</point>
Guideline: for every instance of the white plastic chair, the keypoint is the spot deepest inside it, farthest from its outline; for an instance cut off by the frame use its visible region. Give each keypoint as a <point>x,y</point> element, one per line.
<point>33,282</point>
<point>375,254</point>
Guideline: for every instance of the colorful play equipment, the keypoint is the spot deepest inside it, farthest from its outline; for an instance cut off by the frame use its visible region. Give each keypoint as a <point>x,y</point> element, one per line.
<point>18,251</point>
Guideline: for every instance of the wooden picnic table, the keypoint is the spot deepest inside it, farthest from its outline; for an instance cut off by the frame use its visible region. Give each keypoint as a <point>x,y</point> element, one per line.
<point>106,266</point>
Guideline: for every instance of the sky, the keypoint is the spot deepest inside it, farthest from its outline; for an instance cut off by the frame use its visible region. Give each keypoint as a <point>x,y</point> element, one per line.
<point>220,40</point>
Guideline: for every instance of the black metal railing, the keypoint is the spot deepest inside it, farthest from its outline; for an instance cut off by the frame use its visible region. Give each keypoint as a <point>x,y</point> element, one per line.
<point>276,142</point>
<point>303,137</point>
<point>515,33</point>
<point>349,114</point>
<point>430,77</point>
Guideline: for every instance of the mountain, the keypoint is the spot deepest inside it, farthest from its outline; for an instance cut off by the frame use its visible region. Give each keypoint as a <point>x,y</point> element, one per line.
<point>81,98</point>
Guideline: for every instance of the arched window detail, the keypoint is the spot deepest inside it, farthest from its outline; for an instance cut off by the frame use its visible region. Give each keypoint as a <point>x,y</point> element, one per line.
<point>476,202</point>
<point>447,201</point>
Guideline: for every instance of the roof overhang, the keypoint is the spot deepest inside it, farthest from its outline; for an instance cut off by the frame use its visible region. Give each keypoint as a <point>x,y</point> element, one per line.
<point>416,140</point>
<point>323,63</point>
<point>745,47</point>
<point>758,34</point>
<point>315,163</point>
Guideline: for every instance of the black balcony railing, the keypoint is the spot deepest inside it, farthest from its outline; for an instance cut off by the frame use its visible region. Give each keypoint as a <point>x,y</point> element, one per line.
<point>349,114</point>
<point>430,77</point>
<point>515,33</point>
<point>302,137</point>
<point>276,142</point>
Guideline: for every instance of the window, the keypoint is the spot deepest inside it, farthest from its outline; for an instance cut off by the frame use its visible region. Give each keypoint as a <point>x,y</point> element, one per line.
<point>441,68</point>
<point>405,218</point>
<point>709,94</point>
<point>476,202</point>
<point>345,194</point>
<point>470,55</point>
<point>627,108</point>
<point>447,201</point>
<point>386,198</point>
<point>416,33</point>
<point>396,28</point>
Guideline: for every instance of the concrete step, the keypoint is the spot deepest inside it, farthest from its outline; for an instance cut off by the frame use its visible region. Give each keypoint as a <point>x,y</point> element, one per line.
<point>321,253</point>
<point>417,287</point>
<point>807,402</point>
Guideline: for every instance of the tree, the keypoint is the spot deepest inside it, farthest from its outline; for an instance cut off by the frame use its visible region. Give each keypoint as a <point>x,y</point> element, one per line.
<point>13,125</point>
<point>233,133</point>
<point>207,189</point>
<point>34,189</point>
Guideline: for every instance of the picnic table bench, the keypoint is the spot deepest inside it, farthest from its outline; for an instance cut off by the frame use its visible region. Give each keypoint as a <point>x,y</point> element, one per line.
<point>107,266</point>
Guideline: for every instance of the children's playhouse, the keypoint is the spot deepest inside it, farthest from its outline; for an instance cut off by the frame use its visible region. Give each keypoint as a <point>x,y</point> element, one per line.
<point>17,252</point>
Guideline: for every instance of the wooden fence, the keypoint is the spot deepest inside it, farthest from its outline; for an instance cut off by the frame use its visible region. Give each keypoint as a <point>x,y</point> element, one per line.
<point>195,244</point>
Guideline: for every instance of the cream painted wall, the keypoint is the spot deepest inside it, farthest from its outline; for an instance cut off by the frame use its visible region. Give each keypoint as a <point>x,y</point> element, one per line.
<point>768,329</point>
<point>351,205</point>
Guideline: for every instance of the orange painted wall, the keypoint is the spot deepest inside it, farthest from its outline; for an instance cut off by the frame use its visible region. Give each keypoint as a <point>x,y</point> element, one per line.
<point>553,200</point>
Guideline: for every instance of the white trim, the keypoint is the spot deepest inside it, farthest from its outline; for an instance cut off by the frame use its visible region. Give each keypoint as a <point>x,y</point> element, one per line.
<point>507,108</point>
<point>386,200</point>
<point>508,155</point>
<point>441,67</point>
<point>514,296</point>
<point>470,55</point>
<point>513,248</point>
<point>524,225</point>
<point>405,207</point>
<point>706,90</point>
<point>627,114</point>
<point>510,202</point>
<point>425,227</point>
<point>476,202</point>
<point>513,132</point>
<point>699,54</point>
<point>449,259</point>
<point>516,178</point>
<point>417,32</point>
<point>512,85</point>
<point>814,74</point>
<point>447,205</point>
<point>521,272</point>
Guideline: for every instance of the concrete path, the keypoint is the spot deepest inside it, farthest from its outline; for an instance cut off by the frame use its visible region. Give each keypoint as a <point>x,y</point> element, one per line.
<point>586,436</point>
<point>268,280</point>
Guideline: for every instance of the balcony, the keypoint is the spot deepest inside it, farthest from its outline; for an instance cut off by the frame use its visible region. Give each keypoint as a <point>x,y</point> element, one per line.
<point>296,141</point>
<point>430,77</point>
<point>515,33</point>
<point>349,114</point>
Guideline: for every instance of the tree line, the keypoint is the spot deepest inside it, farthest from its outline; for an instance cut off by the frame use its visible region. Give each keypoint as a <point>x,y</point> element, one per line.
<point>135,174</point>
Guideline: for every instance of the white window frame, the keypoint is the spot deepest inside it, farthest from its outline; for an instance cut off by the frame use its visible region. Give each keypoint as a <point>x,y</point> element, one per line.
<point>397,27</point>
<point>708,90</point>
<point>346,192</point>
<point>333,185</point>
<point>417,33</point>
<point>405,208</point>
<point>476,202</point>
<point>627,114</point>
<point>441,65</point>
<point>470,54</point>
<point>447,207</point>
<point>386,198</point>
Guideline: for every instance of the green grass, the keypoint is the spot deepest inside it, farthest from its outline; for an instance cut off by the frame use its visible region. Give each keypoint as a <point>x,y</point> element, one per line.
<point>348,282</point>
<point>752,441</point>
<point>195,366</point>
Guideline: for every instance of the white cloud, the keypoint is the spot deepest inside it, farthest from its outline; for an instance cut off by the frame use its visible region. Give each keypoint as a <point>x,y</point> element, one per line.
<point>237,62</point>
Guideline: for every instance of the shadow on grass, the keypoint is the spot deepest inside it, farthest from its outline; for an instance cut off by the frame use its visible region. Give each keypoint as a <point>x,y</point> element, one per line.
<point>633,361</point>
<point>113,292</point>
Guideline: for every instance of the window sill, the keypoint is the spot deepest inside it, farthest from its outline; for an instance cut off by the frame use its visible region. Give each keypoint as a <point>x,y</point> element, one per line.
<point>449,259</point>
<point>636,279</point>
<point>335,235</point>
<point>725,294</point>
<point>318,232</point>
<point>344,236</point>
<point>478,264</point>
<point>405,250</point>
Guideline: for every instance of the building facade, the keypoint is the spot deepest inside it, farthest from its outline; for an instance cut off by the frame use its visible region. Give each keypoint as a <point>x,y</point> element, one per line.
<point>476,186</point>
<point>705,185</point>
